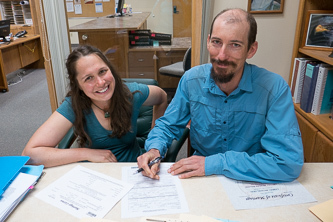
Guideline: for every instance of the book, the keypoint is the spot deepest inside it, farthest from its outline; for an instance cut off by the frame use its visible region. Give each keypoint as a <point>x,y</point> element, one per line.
<point>164,42</point>
<point>160,36</point>
<point>324,87</point>
<point>139,38</point>
<point>310,80</point>
<point>141,43</point>
<point>140,32</point>
<point>294,77</point>
<point>300,79</point>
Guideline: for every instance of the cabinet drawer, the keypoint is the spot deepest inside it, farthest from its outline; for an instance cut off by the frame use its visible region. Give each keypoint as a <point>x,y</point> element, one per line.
<point>140,59</point>
<point>142,72</point>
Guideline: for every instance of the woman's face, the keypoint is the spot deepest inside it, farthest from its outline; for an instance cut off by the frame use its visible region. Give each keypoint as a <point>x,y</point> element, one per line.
<point>95,79</point>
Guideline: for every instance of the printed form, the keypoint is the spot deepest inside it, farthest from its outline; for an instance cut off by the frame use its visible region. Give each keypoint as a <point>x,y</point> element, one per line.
<point>249,195</point>
<point>84,193</point>
<point>152,197</point>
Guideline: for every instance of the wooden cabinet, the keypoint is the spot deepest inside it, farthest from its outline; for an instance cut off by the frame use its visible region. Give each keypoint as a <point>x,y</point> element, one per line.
<point>144,62</point>
<point>165,58</point>
<point>317,131</point>
<point>113,43</point>
<point>141,64</point>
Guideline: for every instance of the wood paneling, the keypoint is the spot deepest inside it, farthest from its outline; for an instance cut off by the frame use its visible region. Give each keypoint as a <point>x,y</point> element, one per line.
<point>323,151</point>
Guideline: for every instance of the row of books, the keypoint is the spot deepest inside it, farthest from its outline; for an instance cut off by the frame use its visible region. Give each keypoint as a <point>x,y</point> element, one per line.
<point>312,85</point>
<point>144,37</point>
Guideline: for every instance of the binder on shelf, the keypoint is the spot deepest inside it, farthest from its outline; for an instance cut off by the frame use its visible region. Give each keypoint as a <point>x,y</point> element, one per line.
<point>310,80</point>
<point>295,74</point>
<point>322,98</point>
<point>300,78</point>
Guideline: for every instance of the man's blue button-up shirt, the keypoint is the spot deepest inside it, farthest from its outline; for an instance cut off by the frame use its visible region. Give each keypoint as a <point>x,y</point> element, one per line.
<point>251,134</point>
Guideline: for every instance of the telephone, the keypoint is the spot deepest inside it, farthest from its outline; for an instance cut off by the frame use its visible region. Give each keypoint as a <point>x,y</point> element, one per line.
<point>20,33</point>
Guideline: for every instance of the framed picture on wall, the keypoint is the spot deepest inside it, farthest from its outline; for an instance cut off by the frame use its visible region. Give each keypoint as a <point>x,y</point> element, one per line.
<point>265,6</point>
<point>318,30</point>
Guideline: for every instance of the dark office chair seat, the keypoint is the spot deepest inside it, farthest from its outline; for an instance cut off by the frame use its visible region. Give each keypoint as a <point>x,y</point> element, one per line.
<point>143,127</point>
<point>179,68</point>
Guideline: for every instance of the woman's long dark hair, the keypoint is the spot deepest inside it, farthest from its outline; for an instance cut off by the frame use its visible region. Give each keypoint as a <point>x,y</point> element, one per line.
<point>120,107</point>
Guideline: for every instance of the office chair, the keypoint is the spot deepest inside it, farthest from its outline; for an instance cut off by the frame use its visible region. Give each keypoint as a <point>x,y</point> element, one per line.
<point>179,68</point>
<point>143,128</point>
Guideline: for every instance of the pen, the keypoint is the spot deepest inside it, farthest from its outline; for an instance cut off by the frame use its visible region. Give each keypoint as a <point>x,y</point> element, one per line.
<point>150,164</point>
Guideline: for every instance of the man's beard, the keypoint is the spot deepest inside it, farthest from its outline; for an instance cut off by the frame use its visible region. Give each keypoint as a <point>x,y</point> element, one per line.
<point>222,76</point>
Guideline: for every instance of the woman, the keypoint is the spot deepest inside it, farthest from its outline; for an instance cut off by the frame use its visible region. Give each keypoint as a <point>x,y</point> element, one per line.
<point>103,111</point>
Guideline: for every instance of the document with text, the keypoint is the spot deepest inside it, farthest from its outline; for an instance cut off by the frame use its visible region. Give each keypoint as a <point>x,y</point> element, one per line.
<point>250,195</point>
<point>84,193</point>
<point>152,197</point>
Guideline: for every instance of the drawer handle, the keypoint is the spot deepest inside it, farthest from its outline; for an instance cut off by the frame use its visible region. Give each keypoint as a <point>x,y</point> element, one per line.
<point>140,60</point>
<point>141,74</point>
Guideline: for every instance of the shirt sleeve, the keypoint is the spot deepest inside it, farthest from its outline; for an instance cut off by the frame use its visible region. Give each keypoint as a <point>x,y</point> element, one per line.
<point>66,109</point>
<point>282,159</point>
<point>172,124</point>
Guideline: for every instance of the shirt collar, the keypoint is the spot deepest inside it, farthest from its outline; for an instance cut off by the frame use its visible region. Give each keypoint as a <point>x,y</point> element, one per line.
<point>245,83</point>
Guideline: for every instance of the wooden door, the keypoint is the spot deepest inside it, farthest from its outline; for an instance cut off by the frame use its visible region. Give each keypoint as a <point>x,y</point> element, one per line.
<point>182,11</point>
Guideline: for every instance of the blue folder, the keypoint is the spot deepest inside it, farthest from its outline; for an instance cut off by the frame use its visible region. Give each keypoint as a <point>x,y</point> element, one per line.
<point>10,166</point>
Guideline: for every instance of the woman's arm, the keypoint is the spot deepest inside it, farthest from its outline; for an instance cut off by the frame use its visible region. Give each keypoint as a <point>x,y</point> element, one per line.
<point>158,98</point>
<point>41,146</point>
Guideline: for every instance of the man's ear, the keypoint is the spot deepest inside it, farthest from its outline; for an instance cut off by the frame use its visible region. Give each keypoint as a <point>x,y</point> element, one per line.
<point>208,40</point>
<point>252,51</point>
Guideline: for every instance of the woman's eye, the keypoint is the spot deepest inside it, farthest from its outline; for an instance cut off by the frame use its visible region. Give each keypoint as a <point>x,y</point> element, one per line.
<point>103,71</point>
<point>88,78</point>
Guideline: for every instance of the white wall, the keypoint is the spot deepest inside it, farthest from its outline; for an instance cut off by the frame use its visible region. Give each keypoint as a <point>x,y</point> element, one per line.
<point>275,35</point>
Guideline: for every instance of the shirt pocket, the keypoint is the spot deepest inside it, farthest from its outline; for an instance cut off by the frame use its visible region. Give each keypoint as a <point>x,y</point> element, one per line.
<point>249,121</point>
<point>203,112</point>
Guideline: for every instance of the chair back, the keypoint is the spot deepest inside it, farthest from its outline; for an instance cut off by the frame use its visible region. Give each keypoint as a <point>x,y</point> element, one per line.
<point>145,117</point>
<point>187,60</point>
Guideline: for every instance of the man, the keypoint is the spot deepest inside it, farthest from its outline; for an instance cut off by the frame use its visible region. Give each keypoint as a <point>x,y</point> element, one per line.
<point>243,123</point>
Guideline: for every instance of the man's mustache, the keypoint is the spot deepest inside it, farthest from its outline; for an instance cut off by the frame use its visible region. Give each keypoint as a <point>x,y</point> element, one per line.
<point>223,62</point>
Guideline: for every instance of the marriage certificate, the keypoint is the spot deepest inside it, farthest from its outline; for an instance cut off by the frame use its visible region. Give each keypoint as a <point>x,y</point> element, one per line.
<point>84,193</point>
<point>152,197</point>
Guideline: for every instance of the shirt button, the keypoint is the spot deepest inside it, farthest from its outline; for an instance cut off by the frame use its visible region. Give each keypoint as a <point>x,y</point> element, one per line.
<point>225,101</point>
<point>224,122</point>
<point>225,139</point>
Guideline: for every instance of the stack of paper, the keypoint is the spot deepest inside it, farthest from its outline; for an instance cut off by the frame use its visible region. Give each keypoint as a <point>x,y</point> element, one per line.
<point>16,181</point>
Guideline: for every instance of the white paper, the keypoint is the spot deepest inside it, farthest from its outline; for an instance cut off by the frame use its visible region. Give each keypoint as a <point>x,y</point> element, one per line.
<point>82,192</point>
<point>78,9</point>
<point>14,192</point>
<point>153,197</point>
<point>99,7</point>
<point>249,195</point>
<point>70,6</point>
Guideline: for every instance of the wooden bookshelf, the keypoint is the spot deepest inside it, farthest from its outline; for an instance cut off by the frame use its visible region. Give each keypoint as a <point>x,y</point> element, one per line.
<point>317,130</point>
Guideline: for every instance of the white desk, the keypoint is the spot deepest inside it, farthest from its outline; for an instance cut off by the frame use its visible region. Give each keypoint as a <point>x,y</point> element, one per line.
<point>205,196</point>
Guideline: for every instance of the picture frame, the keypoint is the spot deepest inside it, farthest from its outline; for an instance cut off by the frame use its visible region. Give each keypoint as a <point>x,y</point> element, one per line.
<point>318,30</point>
<point>265,6</point>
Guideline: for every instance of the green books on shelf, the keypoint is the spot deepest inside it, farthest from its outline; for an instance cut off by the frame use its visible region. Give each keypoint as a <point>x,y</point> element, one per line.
<point>322,101</point>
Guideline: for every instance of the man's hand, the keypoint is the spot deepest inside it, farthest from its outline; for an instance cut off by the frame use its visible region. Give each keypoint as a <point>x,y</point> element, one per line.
<point>143,161</point>
<point>189,167</point>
